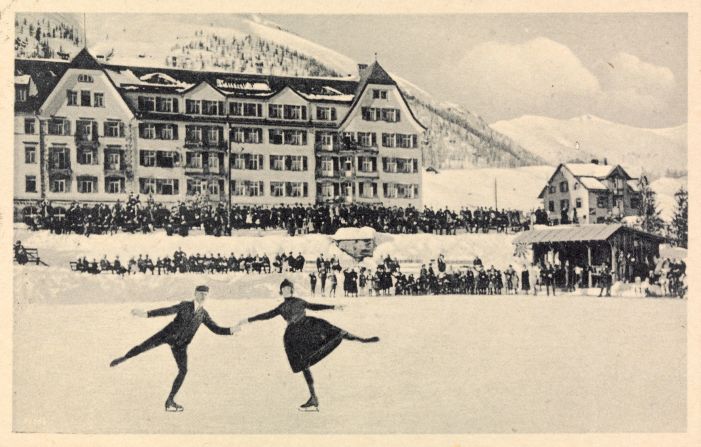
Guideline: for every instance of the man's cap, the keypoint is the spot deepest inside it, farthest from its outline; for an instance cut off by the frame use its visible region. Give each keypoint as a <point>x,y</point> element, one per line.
<point>202,289</point>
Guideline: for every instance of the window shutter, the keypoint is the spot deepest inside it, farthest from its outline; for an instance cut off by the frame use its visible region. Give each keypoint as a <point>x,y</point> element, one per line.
<point>416,165</point>
<point>306,188</point>
<point>384,164</point>
<point>373,139</point>
<point>304,112</point>
<point>260,161</point>
<point>384,189</point>
<point>384,140</point>
<point>175,105</point>
<point>121,129</point>
<point>416,190</point>
<point>94,130</point>
<point>317,137</point>
<point>335,164</point>
<point>259,110</point>
<point>333,113</point>
<point>304,164</point>
<point>220,108</point>
<point>288,162</point>
<point>175,131</point>
<point>66,127</point>
<point>304,138</point>
<point>104,128</point>
<point>374,164</point>
<point>141,103</point>
<point>159,103</point>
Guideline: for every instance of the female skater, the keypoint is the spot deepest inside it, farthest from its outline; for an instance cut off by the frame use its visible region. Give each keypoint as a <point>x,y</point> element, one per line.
<point>307,339</point>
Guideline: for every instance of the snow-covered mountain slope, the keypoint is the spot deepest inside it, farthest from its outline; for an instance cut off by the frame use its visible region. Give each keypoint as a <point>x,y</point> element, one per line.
<point>656,151</point>
<point>456,138</point>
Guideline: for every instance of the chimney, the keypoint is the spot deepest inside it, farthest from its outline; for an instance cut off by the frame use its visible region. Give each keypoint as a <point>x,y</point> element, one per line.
<point>361,68</point>
<point>595,161</point>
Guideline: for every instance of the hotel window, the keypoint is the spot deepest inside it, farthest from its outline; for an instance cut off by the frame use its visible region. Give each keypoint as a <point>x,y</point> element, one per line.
<point>367,139</point>
<point>192,106</point>
<point>275,136</point>
<point>59,158</point>
<point>193,134</point>
<point>390,115</point>
<point>255,110</point>
<point>113,186</point>
<point>194,186</point>
<point>367,164</point>
<point>148,131</point>
<point>327,166</point>
<point>193,160</point>
<point>274,111</point>
<point>147,186</point>
<point>389,165</point>
<point>113,160</point>
<point>326,113</point>
<point>21,94</point>
<point>58,185</point>
<point>551,206</point>
<point>87,157</point>
<point>59,126</point>
<point>167,187</point>
<point>576,186</point>
<point>147,158</point>
<point>389,140</point>
<point>295,189</point>
<point>564,204</point>
<point>85,78</point>
<point>85,97</point>
<point>213,134</point>
<point>29,126</point>
<point>166,105</point>
<point>277,163</point>
<point>72,97</point>
<point>87,185</point>
<point>298,163</point>
<point>370,113</point>
<point>212,107</point>
<point>552,189</point>
<point>30,155</point>
<point>213,162</point>
<point>30,183</point>
<point>295,137</point>
<point>250,188</point>
<point>379,94</point>
<point>147,103</point>
<point>113,128</point>
<point>578,202</point>
<point>167,132</point>
<point>407,141</point>
<point>295,112</point>
<point>277,189</point>
<point>214,188</point>
<point>563,187</point>
<point>254,162</point>
<point>99,100</point>
<point>602,202</point>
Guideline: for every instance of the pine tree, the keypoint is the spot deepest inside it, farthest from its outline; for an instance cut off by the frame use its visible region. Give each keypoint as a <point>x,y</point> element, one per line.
<point>649,214</point>
<point>679,228</point>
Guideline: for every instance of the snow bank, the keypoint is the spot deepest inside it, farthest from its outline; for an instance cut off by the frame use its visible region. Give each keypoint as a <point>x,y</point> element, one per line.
<point>344,234</point>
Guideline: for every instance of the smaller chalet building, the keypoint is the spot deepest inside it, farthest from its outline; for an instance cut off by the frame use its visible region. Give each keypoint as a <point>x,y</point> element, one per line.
<point>590,192</point>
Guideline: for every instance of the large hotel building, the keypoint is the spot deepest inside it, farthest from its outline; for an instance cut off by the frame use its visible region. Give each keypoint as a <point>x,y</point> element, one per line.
<point>92,132</point>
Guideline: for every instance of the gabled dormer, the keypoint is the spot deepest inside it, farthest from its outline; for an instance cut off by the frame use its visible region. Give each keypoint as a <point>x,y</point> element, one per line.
<point>379,99</point>
<point>85,89</point>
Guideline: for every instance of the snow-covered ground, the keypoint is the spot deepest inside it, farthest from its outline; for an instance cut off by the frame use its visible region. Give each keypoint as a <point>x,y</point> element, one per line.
<point>443,365</point>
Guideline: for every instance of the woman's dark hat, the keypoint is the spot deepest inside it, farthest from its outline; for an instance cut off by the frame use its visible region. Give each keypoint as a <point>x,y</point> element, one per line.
<point>286,283</point>
<point>202,289</point>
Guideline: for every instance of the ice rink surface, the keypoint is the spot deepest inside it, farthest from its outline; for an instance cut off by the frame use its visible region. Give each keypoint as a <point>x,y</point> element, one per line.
<point>445,364</point>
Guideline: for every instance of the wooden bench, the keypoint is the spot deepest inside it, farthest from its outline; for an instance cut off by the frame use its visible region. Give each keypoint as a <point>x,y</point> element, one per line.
<point>32,255</point>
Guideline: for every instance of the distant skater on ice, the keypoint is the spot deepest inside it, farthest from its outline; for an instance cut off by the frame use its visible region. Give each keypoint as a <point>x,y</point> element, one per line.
<point>178,334</point>
<point>307,339</point>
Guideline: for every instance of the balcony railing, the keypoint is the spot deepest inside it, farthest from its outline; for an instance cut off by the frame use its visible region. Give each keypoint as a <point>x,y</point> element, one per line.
<point>115,168</point>
<point>367,174</point>
<point>60,169</point>
<point>205,170</point>
<point>206,143</point>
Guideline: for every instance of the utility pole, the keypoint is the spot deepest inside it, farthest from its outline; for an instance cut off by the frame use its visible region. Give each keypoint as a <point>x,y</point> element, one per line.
<point>496,203</point>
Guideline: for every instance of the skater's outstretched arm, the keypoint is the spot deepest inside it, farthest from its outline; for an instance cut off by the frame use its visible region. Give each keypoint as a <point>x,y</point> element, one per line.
<point>316,306</point>
<point>165,310</point>
<point>214,327</point>
<point>265,315</point>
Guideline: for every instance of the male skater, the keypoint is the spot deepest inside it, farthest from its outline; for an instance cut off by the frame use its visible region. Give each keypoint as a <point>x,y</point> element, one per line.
<point>178,334</point>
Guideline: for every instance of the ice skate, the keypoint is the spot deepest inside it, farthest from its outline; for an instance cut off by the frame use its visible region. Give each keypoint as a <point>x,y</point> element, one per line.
<point>116,362</point>
<point>311,405</point>
<point>370,340</point>
<point>172,407</point>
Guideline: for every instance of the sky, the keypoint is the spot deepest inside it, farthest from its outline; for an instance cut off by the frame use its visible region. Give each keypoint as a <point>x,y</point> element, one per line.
<point>627,68</point>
